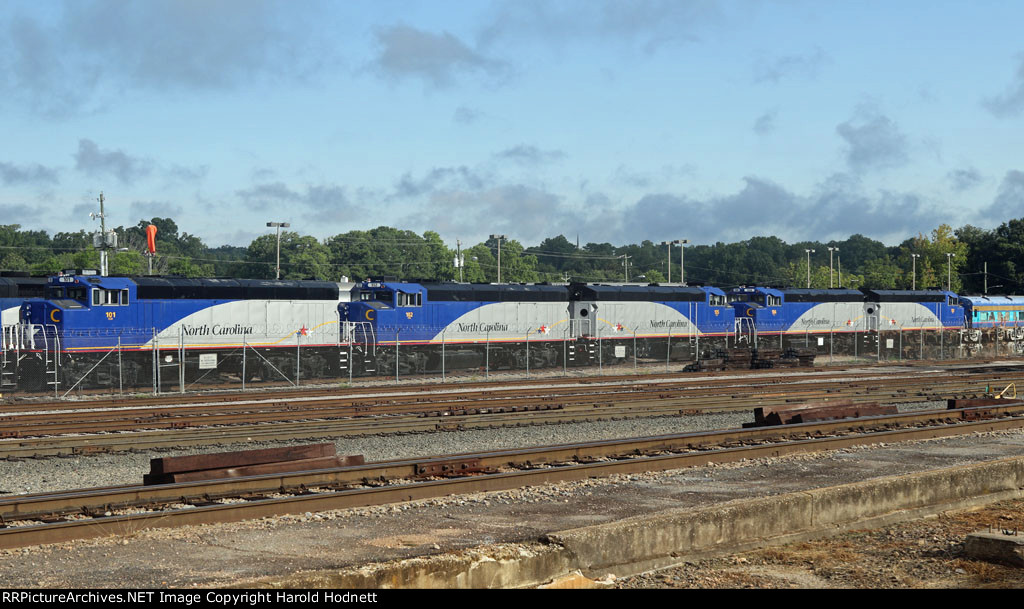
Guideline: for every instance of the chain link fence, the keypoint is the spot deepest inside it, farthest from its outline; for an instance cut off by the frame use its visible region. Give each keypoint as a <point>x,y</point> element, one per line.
<point>38,359</point>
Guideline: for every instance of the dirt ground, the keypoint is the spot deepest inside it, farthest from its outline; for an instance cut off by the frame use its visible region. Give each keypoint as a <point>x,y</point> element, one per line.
<point>919,554</point>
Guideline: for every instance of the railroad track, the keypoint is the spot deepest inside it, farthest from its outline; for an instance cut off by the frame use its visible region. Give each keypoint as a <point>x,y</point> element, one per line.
<point>40,431</point>
<point>61,516</point>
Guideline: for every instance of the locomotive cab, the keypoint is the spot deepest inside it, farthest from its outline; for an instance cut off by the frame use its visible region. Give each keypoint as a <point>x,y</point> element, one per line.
<point>89,303</point>
<point>383,303</point>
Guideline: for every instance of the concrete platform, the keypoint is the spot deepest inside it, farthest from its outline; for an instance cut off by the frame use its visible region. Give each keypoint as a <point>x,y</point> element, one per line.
<point>528,536</point>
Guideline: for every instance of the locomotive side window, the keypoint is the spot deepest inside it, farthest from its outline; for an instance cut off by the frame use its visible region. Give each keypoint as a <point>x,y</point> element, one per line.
<point>77,293</point>
<point>108,298</point>
<point>410,300</point>
<point>774,301</point>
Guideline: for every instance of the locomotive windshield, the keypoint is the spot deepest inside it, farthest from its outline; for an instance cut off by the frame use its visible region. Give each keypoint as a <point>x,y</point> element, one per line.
<point>379,295</point>
<point>73,293</point>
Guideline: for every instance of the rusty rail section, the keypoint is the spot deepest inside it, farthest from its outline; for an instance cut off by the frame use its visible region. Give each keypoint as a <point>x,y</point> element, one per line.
<point>627,404</point>
<point>704,398</point>
<point>506,387</point>
<point>92,512</point>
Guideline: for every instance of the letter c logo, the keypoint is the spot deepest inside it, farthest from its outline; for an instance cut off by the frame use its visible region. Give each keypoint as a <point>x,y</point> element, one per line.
<point>369,315</point>
<point>53,316</point>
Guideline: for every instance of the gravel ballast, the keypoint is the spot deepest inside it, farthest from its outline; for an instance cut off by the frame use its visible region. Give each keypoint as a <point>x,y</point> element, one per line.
<point>87,471</point>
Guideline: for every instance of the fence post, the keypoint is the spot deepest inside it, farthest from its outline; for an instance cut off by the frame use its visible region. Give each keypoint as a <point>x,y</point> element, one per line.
<point>397,331</point>
<point>351,364</point>
<point>565,349</point>
<point>120,374</point>
<point>600,354</point>
<point>181,358</point>
<point>156,362</point>
<point>634,352</point>
<point>668,349</point>
<point>243,362</point>
<point>487,355</point>
<point>442,353</point>
<point>856,340</point>
<point>527,353</point>
<point>298,356</point>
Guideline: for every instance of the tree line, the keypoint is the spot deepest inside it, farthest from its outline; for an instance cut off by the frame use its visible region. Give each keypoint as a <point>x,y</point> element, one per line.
<point>944,255</point>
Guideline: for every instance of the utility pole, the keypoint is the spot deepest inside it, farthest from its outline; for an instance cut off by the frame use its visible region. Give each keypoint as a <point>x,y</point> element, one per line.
<point>103,243</point>
<point>913,271</point>
<point>949,271</point>
<point>103,235</point>
<point>625,265</point>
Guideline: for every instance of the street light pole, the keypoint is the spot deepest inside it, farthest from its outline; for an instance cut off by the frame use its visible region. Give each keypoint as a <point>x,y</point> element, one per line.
<point>682,260</point>
<point>830,250</point>
<point>809,252</point>
<point>669,244</point>
<point>949,271</point>
<point>913,270</point>
<point>278,225</point>
<point>682,252</point>
<point>499,238</point>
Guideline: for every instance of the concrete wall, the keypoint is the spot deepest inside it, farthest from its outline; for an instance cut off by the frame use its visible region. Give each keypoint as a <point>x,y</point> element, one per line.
<point>657,540</point>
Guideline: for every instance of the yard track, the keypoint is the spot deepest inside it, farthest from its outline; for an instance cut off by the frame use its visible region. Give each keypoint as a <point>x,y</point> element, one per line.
<point>61,516</point>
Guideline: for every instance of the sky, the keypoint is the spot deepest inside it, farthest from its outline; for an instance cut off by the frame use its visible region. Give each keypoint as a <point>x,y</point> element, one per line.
<point>603,120</point>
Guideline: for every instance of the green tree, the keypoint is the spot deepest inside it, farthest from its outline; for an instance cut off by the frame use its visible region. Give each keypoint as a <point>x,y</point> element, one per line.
<point>302,257</point>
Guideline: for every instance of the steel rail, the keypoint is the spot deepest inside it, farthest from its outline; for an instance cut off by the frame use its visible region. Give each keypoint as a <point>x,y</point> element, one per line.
<point>24,425</point>
<point>105,499</point>
<point>766,375</point>
<point>341,499</point>
<point>186,435</point>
